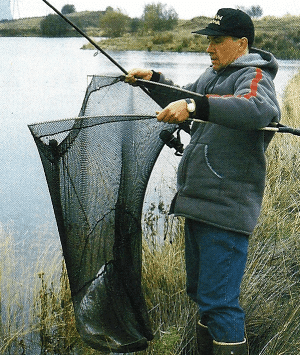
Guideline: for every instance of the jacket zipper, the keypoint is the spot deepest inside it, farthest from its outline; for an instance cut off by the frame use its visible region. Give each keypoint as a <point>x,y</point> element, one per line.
<point>213,82</point>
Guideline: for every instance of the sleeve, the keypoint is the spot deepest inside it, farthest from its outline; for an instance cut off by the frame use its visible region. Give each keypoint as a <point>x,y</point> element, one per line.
<point>252,106</point>
<point>164,95</point>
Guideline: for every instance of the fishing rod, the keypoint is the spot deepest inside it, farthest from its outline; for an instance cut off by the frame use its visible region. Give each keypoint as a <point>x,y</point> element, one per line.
<point>86,36</point>
<point>273,127</point>
<point>93,43</point>
<point>278,127</point>
<point>173,141</point>
<point>143,84</point>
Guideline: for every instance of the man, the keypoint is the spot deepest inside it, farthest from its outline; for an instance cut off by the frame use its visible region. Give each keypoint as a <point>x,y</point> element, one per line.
<point>221,176</point>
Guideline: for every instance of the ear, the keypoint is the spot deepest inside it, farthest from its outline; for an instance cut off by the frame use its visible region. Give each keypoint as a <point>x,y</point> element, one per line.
<point>243,44</point>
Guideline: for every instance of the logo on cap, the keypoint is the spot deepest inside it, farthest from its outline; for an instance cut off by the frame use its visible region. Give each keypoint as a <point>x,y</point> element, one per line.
<point>217,20</point>
<point>230,22</point>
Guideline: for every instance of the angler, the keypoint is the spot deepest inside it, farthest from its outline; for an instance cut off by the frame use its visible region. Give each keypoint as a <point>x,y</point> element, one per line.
<point>221,176</point>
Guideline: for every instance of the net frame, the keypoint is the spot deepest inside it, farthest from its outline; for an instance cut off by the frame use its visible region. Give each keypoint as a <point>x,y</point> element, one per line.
<point>97,167</point>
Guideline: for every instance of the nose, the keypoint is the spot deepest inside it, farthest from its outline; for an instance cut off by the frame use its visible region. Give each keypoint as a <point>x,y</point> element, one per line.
<point>210,49</point>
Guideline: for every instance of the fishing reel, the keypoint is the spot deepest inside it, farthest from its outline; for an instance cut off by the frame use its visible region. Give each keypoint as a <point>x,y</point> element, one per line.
<point>173,141</point>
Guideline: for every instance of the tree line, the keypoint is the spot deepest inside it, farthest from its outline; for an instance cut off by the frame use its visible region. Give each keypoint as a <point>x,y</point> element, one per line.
<point>114,23</point>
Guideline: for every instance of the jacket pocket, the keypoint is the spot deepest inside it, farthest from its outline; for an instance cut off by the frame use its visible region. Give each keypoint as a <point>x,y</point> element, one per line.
<point>196,170</point>
<point>209,164</point>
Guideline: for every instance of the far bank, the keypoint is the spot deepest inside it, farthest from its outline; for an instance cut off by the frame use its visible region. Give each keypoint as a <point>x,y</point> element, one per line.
<point>279,35</point>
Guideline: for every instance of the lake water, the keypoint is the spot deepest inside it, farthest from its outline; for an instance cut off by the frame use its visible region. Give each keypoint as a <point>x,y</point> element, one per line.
<point>45,79</point>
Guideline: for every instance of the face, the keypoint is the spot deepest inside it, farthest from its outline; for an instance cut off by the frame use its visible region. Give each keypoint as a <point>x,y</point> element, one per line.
<point>224,50</point>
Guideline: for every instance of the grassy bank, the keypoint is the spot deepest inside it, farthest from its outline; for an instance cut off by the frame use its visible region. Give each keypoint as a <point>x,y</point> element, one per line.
<point>31,26</point>
<point>270,289</point>
<point>280,35</point>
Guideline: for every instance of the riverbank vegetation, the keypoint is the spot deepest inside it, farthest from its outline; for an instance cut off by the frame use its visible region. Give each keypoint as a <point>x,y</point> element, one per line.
<point>39,319</point>
<point>280,35</point>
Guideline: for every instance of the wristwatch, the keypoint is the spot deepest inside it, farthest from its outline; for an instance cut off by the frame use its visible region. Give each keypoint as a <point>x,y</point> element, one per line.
<point>190,106</point>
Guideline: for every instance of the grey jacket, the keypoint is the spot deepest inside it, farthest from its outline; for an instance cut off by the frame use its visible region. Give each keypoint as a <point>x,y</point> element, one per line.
<point>221,176</point>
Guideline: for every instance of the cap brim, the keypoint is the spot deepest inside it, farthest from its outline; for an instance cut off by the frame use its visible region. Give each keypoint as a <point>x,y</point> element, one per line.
<point>210,32</point>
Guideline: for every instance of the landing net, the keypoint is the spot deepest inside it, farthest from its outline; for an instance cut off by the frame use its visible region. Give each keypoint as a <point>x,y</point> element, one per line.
<point>97,166</point>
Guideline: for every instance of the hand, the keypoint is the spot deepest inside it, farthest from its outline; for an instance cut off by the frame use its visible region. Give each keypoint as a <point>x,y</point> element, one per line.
<point>175,112</point>
<point>138,73</point>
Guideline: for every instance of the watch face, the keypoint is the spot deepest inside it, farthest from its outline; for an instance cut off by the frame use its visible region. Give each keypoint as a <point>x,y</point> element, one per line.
<point>191,107</point>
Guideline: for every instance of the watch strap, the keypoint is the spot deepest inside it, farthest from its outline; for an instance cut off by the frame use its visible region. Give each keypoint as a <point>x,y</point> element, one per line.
<point>191,102</point>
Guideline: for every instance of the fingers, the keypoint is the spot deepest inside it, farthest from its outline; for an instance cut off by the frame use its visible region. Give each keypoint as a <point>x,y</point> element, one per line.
<point>175,112</point>
<point>130,78</point>
<point>166,116</point>
<point>138,73</point>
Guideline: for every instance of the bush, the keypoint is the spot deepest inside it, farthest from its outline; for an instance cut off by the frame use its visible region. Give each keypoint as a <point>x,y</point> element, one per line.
<point>53,26</point>
<point>158,18</point>
<point>68,9</point>
<point>135,25</point>
<point>163,38</point>
<point>114,23</point>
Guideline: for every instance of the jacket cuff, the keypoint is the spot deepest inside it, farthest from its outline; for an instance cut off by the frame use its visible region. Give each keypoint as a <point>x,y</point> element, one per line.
<point>202,108</point>
<point>155,76</point>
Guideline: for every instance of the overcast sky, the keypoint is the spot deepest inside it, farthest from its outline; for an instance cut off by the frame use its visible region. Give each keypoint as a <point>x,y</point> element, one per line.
<point>134,8</point>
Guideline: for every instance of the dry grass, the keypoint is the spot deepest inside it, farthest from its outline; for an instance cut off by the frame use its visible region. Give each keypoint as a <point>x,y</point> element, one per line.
<point>271,285</point>
<point>270,289</point>
<point>172,313</point>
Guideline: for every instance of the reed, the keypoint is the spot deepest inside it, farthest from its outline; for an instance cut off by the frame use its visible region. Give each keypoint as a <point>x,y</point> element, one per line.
<point>271,284</point>
<point>172,313</point>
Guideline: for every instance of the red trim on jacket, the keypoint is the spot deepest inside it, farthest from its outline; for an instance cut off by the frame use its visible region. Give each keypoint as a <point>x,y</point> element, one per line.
<point>253,87</point>
<point>254,84</point>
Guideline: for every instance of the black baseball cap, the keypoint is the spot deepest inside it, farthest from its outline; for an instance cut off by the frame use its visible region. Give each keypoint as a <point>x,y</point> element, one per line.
<point>230,22</point>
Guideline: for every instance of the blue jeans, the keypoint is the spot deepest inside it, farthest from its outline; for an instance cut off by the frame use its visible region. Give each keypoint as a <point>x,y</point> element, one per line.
<point>215,264</point>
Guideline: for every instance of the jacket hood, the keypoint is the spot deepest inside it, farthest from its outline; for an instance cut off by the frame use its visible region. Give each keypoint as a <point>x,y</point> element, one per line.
<point>258,58</point>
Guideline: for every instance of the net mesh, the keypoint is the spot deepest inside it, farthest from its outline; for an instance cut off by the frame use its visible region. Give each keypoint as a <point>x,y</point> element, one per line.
<point>97,166</point>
